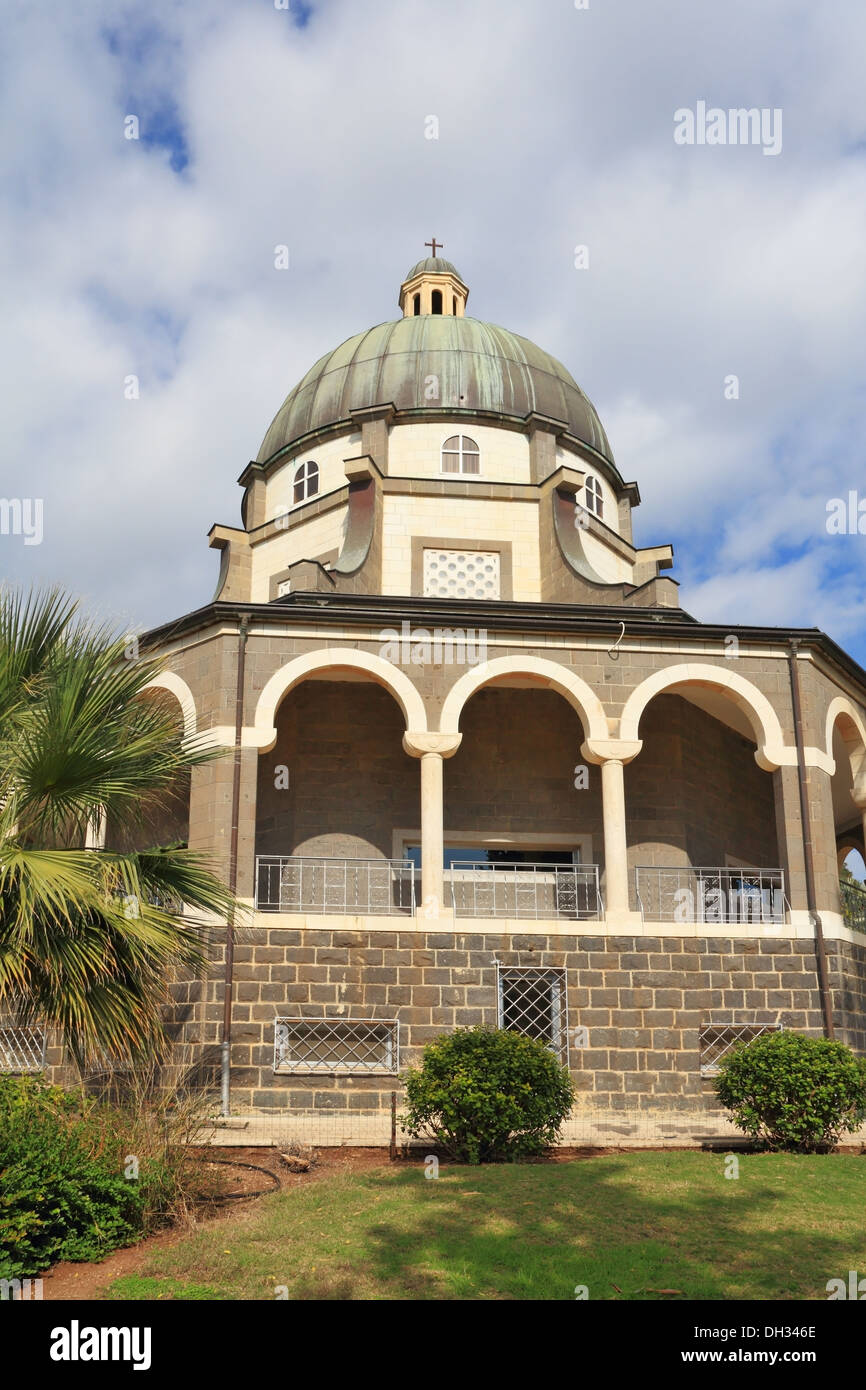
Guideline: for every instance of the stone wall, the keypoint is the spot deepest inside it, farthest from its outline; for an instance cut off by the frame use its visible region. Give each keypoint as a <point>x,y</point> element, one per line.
<point>642,1000</point>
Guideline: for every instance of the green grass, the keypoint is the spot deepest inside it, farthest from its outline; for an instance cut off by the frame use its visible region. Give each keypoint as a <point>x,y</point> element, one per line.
<point>626,1226</point>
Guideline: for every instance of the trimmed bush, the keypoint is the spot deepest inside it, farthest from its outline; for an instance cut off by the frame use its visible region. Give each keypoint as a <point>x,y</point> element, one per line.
<point>483,1095</point>
<point>59,1199</point>
<point>67,1190</point>
<point>792,1092</point>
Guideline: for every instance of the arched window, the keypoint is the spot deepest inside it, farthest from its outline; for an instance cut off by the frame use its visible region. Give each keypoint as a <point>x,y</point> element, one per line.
<point>437,302</point>
<point>594,497</point>
<point>416,304</point>
<point>460,454</point>
<point>454,307</point>
<point>306,480</point>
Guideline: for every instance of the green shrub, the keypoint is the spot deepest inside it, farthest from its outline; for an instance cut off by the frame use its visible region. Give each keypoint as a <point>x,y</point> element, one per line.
<point>64,1189</point>
<point>61,1198</point>
<point>792,1092</point>
<point>484,1094</point>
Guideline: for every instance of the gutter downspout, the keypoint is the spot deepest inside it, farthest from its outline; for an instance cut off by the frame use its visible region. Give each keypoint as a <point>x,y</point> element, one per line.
<point>820,953</point>
<point>225,1079</point>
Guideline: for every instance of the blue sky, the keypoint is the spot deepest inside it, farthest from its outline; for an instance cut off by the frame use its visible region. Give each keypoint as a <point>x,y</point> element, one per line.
<point>305,126</point>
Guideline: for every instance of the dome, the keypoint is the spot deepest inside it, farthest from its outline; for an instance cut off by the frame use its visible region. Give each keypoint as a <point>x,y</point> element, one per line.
<point>480,367</point>
<point>432,265</point>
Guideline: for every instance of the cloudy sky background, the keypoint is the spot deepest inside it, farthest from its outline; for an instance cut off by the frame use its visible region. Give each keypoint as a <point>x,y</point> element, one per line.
<point>306,127</point>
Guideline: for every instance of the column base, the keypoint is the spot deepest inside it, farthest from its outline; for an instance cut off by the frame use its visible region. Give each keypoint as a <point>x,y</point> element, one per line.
<point>623,919</point>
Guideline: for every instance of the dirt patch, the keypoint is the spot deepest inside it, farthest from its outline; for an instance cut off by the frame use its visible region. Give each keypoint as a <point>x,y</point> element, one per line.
<point>89,1281</point>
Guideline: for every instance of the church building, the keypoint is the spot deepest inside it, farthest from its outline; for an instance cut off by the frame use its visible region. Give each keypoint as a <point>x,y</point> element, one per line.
<point>481,767</point>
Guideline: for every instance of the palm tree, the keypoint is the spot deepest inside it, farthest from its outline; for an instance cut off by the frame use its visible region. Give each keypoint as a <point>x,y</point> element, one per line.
<point>89,940</point>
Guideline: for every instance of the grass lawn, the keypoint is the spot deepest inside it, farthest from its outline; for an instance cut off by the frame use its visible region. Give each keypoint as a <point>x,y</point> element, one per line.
<point>625,1225</point>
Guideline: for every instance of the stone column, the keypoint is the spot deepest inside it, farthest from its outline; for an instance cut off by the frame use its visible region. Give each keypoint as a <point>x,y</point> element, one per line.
<point>612,755</point>
<point>615,842</point>
<point>432,749</point>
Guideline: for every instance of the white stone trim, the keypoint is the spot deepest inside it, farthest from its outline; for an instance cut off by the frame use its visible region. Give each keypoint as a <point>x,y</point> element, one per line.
<point>171,681</point>
<point>551,674</point>
<point>771,752</point>
<point>263,734</point>
<point>499,927</point>
<point>857,756</point>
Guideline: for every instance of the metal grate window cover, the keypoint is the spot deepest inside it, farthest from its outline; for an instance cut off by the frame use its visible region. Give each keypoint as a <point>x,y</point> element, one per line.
<point>718,1039</point>
<point>22,1049</point>
<point>532,1001</point>
<point>337,1046</point>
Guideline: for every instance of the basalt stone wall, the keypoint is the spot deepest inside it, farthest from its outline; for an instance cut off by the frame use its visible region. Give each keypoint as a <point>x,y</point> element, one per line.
<point>846,963</point>
<point>695,794</point>
<point>642,1000</point>
<point>349,780</point>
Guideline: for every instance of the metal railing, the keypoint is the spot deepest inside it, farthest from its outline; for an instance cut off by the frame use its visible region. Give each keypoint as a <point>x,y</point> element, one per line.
<point>693,893</point>
<point>22,1049</point>
<point>379,887</point>
<point>336,1046</point>
<point>853,905</point>
<point>718,1040</point>
<point>533,1001</point>
<point>481,889</point>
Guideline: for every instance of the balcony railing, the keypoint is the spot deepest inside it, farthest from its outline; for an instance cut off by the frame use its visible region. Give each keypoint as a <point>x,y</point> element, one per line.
<point>379,887</point>
<point>481,889</point>
<point>853,905</point>
<point>694,893</point>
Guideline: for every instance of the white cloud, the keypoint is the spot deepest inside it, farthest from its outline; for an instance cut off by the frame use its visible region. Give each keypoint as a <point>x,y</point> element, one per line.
<point>555,128</point>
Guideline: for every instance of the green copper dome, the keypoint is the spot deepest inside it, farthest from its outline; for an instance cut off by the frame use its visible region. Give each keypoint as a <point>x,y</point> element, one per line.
<point>432,265</point>
<point>479,367</point>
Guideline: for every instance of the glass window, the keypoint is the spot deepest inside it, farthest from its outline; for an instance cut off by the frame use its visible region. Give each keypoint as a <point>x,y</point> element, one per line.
<point>460,454</point>
<point>594,497</point>
<point>306,481</point>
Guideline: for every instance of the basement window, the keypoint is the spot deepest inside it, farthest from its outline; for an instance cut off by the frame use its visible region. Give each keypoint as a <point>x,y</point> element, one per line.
<point>718,1040</point>
<point>532,1001</point>
<point>22,1050</point>
<point>336,1046</point>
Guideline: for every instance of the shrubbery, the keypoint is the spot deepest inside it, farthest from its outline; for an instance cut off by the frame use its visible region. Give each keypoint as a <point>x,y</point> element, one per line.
<point>64,1193</point>
<point>485,1094</point>
<point>792,1092</point>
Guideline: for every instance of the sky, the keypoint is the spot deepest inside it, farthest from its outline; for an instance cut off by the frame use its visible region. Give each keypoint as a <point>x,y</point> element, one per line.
<point>147,337</point>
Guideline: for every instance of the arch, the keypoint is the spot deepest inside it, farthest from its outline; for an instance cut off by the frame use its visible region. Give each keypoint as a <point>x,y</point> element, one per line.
<point>771,752</point>
<point>579,695</point>
<point>844,845</point>
<point>853,732</point>
<point>170,680</point>
<point>383,672</point>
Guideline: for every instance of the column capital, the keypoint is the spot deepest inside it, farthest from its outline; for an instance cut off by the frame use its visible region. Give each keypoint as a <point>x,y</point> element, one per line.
<point>604,750</point>
<point>417,744</point>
